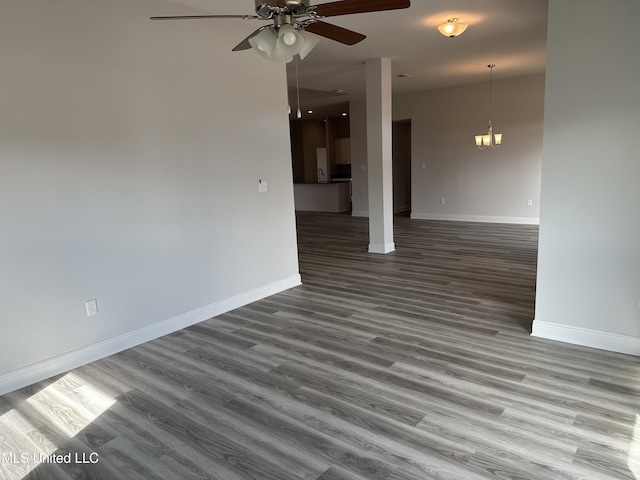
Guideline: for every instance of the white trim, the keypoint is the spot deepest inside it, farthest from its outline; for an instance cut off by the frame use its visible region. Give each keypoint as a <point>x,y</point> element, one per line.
<point>476,218</point>
<point>359,213</point>
<point>381,248</point>
<point>589,338</point>
<point>62,363</point>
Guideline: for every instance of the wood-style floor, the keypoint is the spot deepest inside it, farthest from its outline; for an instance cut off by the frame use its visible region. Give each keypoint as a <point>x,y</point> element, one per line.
<point>413,365</point>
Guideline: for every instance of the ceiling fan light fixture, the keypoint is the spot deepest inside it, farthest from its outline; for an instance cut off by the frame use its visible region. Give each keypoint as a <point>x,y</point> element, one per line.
<point>309,43</point>
<point>264,43</point>
<point>283,43</point>
<point>270,45</point>
<point>290,19</point>
<point>452,28</point>
<point>289,42</point>
<point>289,38</point>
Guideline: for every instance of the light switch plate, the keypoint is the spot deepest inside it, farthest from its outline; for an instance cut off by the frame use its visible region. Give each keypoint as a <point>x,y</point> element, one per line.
<point>262,185</point>
<point>92,307</point>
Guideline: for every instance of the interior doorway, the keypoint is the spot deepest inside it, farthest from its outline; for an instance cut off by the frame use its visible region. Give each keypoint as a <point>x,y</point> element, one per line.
<point>401,158</point>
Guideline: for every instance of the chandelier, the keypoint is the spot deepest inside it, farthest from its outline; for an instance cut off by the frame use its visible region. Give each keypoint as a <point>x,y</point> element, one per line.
<point>490,139</point>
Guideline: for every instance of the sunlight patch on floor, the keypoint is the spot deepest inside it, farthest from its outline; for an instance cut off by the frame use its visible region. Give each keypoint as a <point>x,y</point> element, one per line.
<point>19,453</point>
<point>70,404</point>
<point>633,458</point>
<point>34,430</point>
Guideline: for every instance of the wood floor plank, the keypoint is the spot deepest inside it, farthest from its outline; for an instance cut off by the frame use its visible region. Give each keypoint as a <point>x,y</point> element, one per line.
<point>290,429</point>
<point>439,445</point>
<point>241,430</point>
<point>229,455</point>
<point>415,365</point>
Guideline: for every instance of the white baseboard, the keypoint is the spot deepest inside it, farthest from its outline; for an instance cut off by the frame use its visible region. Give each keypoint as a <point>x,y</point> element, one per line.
<point>588,338</point>
<point>382,248</point>
<point>62,363</point>
<point>476,218</point>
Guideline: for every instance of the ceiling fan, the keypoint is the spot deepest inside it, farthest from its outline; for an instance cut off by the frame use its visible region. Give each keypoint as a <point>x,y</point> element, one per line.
<point>292,19</point>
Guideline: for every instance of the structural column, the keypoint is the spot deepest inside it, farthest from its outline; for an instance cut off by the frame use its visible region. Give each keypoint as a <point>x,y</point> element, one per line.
<point>379,148</point>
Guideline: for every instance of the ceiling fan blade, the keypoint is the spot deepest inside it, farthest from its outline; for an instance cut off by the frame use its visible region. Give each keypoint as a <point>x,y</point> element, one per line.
<point>244,44</point>
<point>191,17</point>
<point>348,7</point>
<point>333,32</point>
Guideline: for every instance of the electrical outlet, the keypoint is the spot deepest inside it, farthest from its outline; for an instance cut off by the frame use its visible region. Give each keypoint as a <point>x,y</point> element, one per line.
<point>441,200</point>
<point>92,308</point>
<point>529,203</point>
<point>262,185</point>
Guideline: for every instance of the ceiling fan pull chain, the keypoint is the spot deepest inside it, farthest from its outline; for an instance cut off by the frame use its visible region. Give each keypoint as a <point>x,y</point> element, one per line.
<point>299,112</point>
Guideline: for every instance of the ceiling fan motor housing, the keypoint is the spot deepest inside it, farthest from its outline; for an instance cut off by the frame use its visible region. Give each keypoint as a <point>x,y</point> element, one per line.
<point>298,7</point>
<point>294,7</point>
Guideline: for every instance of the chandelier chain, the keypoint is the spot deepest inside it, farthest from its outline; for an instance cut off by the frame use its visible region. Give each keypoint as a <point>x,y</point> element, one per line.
<point>490,88</point>
<point>490,139</point>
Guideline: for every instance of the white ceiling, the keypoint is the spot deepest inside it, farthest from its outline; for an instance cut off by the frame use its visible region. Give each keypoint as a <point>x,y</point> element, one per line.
<point>508,33</point>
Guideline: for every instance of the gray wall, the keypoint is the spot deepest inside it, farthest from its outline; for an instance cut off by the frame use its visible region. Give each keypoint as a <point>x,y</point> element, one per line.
<point>130,154</point>
<point>589,258</point>
<point>489,185</point>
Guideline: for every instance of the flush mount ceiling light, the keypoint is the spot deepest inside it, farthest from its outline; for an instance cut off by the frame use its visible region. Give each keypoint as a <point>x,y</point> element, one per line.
<point>452,28</point>
<point>490,140</point>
